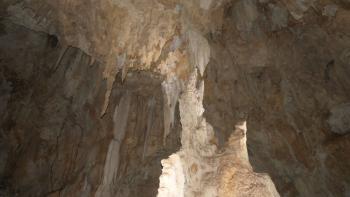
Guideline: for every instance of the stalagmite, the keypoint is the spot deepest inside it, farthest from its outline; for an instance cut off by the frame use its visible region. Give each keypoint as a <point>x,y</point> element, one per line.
<point>172,180</point>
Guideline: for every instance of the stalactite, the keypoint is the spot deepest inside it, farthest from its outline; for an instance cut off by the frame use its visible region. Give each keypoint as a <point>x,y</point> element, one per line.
<point>150,119</point>
<point>171,91</point>
<point>120,118</point>
<point>199,50</point>
<point>60,57</point>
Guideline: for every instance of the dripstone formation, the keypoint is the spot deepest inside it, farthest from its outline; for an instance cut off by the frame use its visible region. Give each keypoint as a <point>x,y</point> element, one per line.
<point>175,98</point>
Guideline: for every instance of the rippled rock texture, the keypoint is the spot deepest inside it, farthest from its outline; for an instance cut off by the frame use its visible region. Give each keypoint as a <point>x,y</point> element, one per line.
<point>174,98</point>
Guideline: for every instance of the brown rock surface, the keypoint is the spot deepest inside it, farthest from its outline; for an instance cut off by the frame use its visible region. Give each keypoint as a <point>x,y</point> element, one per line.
<point>292,87</point>
<point>174,98</point>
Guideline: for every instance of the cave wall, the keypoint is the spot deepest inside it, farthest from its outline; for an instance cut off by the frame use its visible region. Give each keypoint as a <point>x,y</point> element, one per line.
<point>53,139</point>
<point>288,80</point>
<point>174,98</point>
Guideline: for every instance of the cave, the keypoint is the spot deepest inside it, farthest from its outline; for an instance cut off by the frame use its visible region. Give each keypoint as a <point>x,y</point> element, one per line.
<point>175,98</point>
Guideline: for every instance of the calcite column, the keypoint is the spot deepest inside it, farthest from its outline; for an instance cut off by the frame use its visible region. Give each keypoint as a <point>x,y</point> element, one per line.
<point>198,169</point>
<point>189,171</point>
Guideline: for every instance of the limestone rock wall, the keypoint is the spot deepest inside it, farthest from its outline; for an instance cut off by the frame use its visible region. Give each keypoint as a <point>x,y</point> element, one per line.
<point>54,141</point>
<point>289,80</point>
<point>174,98</point>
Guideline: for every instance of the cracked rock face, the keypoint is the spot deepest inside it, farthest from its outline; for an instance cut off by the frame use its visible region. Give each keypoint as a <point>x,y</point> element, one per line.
<point>174,98</point>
